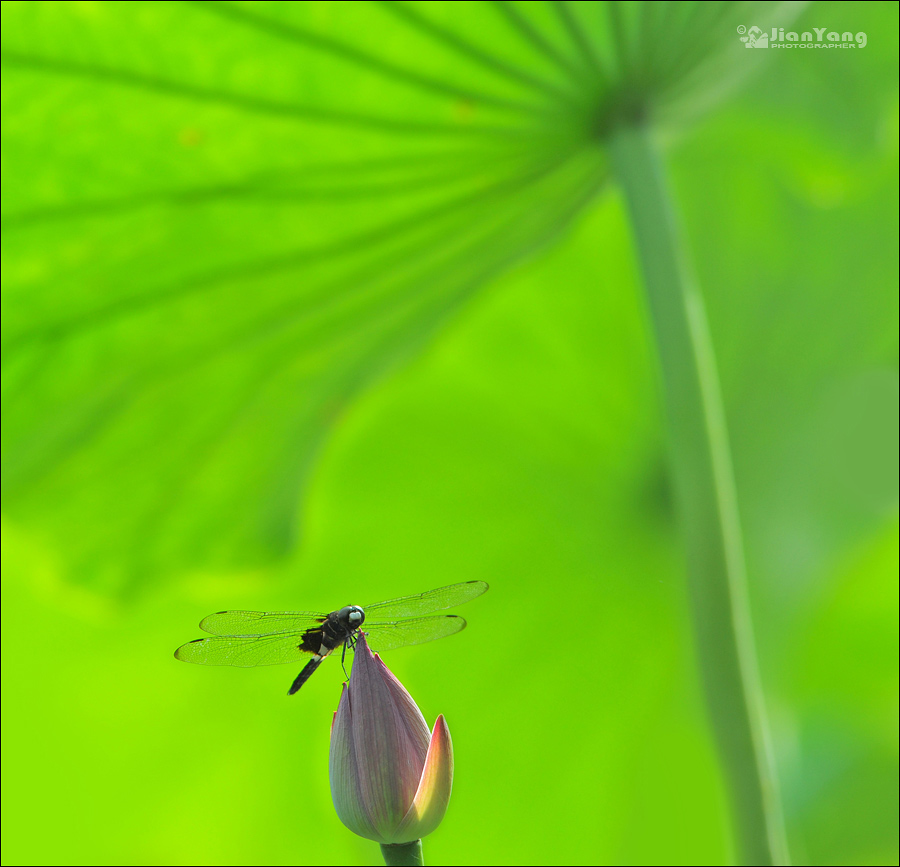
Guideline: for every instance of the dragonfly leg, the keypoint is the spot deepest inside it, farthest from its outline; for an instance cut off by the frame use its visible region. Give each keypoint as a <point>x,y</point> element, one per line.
<point>348,643</point>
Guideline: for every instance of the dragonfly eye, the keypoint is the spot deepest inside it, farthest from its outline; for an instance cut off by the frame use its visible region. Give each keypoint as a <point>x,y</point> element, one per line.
<point>356,616</point>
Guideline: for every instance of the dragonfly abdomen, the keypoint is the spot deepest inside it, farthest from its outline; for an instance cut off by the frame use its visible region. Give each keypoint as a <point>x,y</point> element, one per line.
<point>307,672</point>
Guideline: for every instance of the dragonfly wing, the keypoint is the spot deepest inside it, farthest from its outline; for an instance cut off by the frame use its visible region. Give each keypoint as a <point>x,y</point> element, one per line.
<point>389,636</point>
<point>244,651</point>
<point>260,622</point>
<point>425,603</point>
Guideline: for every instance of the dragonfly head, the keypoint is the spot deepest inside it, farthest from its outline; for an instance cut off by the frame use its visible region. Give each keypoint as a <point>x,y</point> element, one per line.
<point>353,616</point>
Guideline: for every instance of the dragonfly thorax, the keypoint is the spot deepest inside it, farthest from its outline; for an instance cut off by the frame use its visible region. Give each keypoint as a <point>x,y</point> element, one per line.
<point>337,629</point>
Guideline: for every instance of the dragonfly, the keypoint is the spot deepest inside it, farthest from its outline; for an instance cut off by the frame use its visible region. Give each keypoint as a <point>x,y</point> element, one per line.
<point>250,638</point>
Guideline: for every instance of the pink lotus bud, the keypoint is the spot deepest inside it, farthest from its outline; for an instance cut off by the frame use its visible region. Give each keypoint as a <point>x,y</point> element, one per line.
<point>390,778</point>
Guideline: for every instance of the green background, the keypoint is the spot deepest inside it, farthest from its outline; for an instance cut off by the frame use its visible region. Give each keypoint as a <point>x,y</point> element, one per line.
<point>154,450</point>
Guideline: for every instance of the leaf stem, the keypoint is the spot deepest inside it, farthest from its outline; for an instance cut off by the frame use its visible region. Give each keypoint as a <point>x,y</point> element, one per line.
<point>700,462</point>
<point>403,854</point>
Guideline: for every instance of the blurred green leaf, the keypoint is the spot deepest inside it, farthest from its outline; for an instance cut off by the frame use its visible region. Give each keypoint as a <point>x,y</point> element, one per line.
<point>208,253</point>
